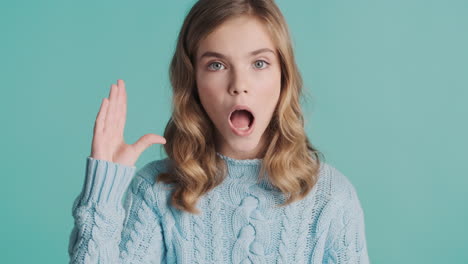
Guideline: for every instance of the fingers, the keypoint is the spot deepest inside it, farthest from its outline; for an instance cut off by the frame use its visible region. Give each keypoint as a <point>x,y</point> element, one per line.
<point>122,106</point>
<point>146,141</point>
<point>113,104</point>
<point>101,117</point>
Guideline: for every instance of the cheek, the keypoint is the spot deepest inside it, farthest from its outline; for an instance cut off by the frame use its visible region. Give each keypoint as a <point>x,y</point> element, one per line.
<point>269,89</point>
<point>207,92</point>
<point>209,97</point>
<point>210,87</point>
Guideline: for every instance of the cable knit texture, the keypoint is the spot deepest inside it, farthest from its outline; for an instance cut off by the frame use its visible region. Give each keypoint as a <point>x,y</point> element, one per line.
<point>124,216</point>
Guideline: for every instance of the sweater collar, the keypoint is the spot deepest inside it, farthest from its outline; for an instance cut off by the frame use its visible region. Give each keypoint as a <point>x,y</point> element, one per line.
<point>247,170</point>
<point>240,163</point>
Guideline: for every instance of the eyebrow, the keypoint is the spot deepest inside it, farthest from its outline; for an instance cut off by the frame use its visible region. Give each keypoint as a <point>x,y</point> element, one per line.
<point>219,55</point>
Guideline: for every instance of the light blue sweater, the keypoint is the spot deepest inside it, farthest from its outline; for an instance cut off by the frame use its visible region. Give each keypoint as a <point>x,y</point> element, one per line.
<point>239,221</point>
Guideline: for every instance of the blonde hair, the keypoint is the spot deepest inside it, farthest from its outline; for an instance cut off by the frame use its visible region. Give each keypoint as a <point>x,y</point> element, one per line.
<point>290,160</point>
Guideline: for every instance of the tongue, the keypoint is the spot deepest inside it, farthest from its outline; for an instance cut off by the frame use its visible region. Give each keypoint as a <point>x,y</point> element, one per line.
<point>240,119</point>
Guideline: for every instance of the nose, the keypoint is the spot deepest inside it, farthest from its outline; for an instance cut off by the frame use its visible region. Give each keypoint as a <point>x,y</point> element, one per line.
<point>238,84</point>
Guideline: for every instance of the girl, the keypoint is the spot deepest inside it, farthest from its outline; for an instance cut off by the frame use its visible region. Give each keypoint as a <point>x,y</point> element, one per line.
<point>242,183</point>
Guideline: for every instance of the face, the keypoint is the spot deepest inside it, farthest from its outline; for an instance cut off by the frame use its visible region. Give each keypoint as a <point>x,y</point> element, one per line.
<point>237,64</point>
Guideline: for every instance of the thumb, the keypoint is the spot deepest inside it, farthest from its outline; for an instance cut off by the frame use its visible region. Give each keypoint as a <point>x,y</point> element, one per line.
<point>146,141</point>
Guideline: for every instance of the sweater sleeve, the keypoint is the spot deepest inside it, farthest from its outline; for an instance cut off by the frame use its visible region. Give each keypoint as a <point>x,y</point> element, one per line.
<point>346,241</point>
<point>105,231</point>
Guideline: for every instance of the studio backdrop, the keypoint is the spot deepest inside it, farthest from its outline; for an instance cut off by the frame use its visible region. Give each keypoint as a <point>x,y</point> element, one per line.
<point>385,101</point>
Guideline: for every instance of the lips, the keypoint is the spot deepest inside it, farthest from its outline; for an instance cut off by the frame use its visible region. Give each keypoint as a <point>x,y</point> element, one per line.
<point>237,131</point>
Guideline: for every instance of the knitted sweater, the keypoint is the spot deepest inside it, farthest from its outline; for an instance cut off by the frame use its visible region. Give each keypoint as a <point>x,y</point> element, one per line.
<point>239,222</point>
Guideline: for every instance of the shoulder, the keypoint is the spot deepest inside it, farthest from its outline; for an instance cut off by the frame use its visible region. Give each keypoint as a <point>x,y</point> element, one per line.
<point>147,176</point>
<point>334,186</point>
<point>150,171</point>
<point>342,218</point>
<point>335,198</point>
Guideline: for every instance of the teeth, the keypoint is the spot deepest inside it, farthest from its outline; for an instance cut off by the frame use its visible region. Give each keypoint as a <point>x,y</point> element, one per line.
<point>243,128</point>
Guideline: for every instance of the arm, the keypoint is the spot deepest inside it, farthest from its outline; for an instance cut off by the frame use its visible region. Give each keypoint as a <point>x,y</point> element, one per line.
<point>107,232</point>
<point>346,242</point>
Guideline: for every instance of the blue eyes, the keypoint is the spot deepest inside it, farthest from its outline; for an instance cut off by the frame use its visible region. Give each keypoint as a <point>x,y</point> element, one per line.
<point>217,65</point>
<point>263,62</point>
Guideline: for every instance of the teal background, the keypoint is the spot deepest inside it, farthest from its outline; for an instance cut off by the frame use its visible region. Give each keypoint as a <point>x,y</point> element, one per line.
<point>389,88</point>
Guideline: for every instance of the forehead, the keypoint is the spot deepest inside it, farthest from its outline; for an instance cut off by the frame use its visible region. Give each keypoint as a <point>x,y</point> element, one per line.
<point>237,37</point>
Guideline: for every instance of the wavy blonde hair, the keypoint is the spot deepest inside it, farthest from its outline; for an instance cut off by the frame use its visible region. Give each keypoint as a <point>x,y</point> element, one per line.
<point>290,160</point>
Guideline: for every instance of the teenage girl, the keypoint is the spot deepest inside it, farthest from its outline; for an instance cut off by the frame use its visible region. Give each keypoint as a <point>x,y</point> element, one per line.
<point>241,183</point>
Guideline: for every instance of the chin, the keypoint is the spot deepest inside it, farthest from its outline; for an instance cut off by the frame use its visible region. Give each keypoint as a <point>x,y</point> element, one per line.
<point>243,144</point>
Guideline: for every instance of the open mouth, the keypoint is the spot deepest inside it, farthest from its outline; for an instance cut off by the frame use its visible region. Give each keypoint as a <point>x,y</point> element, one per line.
<point>241,121</point>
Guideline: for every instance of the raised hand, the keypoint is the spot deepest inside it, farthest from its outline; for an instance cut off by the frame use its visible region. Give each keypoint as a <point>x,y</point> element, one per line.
<point>108,139</point>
